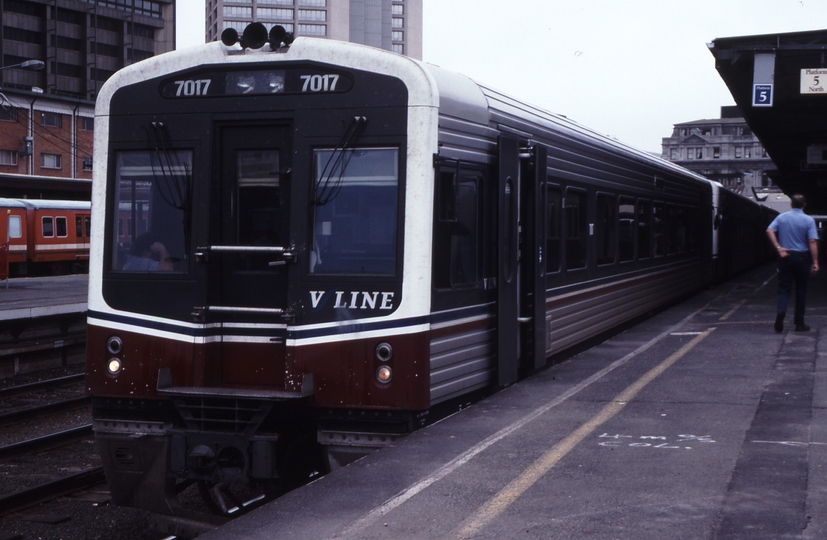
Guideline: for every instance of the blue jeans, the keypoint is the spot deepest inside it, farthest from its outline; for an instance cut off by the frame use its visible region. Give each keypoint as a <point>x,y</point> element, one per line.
<point>794,269</point>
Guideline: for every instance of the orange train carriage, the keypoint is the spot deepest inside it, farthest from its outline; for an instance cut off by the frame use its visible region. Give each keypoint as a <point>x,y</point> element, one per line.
<point>45,237</point>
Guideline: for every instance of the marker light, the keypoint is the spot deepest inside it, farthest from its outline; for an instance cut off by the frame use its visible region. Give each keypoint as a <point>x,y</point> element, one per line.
<point>114,345</point>
<point>384,352</point>
<point>114,366</point>
<point>384,374</point>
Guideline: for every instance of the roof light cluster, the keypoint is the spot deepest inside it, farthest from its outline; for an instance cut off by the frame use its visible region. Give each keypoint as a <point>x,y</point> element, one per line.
<point>256,35</point>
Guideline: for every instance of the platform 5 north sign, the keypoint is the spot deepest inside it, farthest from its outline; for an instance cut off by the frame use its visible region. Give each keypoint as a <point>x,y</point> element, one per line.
<point>814,81</point>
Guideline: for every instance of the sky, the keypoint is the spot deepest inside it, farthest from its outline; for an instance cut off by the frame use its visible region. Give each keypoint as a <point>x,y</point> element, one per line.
<point>629,69</point>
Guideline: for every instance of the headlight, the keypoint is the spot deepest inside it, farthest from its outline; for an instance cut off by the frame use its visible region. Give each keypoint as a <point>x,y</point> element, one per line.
<point>384,374</point>
<point>114,366</point>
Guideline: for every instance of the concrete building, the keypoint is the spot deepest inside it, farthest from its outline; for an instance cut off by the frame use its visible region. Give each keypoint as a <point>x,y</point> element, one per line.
<point>394,25</point>
<point>726,150</point>
<point>47,116</point>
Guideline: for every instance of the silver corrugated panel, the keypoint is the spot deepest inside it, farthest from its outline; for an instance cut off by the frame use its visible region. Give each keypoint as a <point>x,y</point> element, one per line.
<point>461,363</point>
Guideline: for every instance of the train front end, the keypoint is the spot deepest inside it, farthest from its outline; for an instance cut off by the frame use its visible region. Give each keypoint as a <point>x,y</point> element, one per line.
<point>251,290</point>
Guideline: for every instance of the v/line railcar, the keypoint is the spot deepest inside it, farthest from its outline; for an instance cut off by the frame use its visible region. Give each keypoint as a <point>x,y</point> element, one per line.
<point>45,236</point>
<point>335,239</point>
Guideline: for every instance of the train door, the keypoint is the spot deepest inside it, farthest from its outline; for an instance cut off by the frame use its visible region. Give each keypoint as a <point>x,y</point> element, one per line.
<point>533,266</point>
<point>508,324</point>
<point>521,290</point>
<point>253,253</point>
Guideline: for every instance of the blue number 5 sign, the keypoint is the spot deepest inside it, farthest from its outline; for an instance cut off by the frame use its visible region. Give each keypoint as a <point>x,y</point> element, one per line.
<point>762,95</point>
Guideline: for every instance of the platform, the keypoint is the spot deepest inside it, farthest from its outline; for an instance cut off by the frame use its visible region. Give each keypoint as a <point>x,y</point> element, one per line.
<point>26,298</point>
<point>700,422</point>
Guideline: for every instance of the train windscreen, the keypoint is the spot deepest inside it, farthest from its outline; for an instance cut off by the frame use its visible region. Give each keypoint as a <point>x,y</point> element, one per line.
<point>152,201</point>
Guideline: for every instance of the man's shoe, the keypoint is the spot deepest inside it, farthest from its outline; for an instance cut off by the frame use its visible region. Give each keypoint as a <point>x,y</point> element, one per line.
<point>779,323</point>
<point>802,328</point>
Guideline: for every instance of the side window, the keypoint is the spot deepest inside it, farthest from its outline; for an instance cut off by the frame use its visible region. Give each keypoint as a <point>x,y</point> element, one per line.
<point>644,229</point>
<point>553,215</point>
<point>15,227</point>
<point>577,229</point>
<point>48,227</point>
<point>62,226</point>
<point>626,232</point>
<point>672,230</point>
<point>79,226</point>
<point>605,229</point>
<point>681,232</point>
<point>88,221</point>
<point>457,231</point>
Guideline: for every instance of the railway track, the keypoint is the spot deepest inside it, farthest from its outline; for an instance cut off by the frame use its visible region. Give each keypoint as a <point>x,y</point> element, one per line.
<point>48,384</point>
<point>47,491</point>
<point>32,413</point>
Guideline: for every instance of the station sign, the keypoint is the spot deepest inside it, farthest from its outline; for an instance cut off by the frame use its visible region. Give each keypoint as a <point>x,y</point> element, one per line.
<point>814,81</point>
<point>762,95</point>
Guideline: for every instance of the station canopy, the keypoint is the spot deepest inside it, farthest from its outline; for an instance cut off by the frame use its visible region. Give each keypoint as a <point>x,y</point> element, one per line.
<point>779,82</point>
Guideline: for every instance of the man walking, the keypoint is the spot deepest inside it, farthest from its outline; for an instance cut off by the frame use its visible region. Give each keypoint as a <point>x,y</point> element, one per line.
<point>795,237</point>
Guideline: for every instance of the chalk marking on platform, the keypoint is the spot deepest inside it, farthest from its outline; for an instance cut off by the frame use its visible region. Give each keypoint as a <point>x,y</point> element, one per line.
<point>508,495</point>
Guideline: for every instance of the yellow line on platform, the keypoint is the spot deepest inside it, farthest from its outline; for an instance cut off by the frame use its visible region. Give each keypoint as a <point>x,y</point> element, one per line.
<point>506,497</point>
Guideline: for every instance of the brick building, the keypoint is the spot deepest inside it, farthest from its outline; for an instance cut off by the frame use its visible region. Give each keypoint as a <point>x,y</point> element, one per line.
<point>47,116</point>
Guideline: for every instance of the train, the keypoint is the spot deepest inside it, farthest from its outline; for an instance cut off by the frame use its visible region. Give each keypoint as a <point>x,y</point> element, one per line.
<point>305,248</point>
<point>44,237</point>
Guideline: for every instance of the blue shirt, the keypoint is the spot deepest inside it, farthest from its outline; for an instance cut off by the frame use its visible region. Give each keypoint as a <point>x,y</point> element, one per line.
<point>794,230</point>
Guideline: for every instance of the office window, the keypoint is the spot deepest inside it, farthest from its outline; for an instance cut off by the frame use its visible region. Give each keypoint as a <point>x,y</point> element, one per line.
<point>396,22</point>
<point>319,30</point>
<point>50,161</point>
<point>8,157</point>
<point>276,2</point>
<point>8,115</point>
<point>398,35</point>
<point>313,3</point>
<point>398,48</point>
<point>397,9</point>
<point>87,124</point>
<point>51,119</point>
<point>274,13</point>
<point>239,12</point>
<point>317,15</point>
<point>87,164</point>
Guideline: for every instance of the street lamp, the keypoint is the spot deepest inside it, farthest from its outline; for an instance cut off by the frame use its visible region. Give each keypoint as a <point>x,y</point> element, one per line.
<point>31,65</point>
